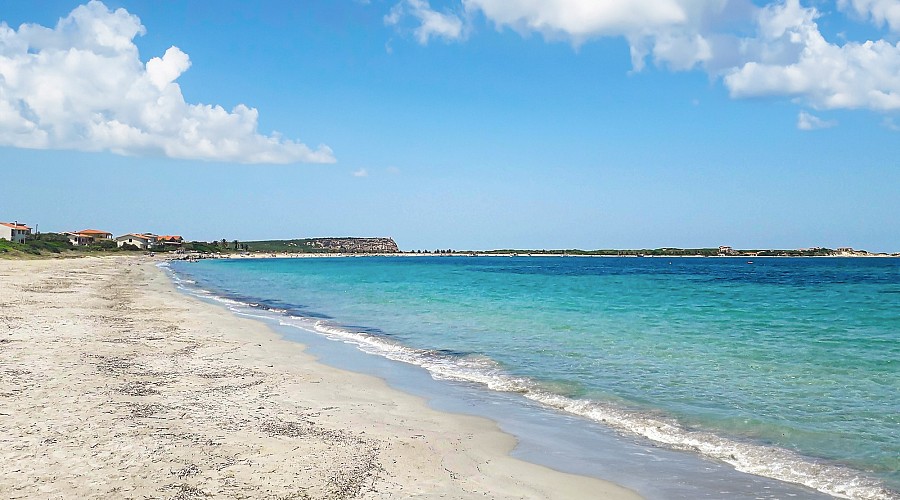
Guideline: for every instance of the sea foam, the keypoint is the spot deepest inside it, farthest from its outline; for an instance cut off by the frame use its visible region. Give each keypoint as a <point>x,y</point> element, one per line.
<point>768,461</point>
<point>753,458</point>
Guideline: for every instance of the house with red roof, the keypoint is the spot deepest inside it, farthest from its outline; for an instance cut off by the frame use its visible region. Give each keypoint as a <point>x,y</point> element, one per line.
<point>13,231</point>
<point>171,240</point>
<point>87,236</point>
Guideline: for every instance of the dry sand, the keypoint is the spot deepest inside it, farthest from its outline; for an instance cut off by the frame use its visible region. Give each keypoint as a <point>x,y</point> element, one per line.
<point>115,385</point>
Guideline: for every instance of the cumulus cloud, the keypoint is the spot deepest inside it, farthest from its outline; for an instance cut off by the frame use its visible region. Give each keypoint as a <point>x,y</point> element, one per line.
<point>582,19</point>
<point>361,173</point>
<point>676,33</point>
<point>81,85</point>
<point>807,121</point>
<point>669,30</point>
<point>431,23</point>
<point>772,50</point>
<point>792,58</point>
<point>880,12</point>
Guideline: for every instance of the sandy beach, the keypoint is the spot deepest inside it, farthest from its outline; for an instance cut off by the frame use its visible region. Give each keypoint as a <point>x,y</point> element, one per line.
<point>115,385</point>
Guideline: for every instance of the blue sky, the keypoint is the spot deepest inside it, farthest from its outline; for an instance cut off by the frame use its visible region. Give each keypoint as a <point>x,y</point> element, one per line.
<point>470,124</point>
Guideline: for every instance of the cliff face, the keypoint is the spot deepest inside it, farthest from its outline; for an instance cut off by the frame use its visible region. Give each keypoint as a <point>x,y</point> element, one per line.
<point>355,245</point>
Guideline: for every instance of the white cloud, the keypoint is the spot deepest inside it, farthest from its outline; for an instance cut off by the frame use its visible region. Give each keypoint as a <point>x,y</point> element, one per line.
<point>773,50</point>
<point>667,29</point>
<point>431,23</point>
<point>580,20</point>
<point>889,123</point>
<point>361,173</point>
<point>792,58</point>
<point>82,86</point>
<point>880,12</point>
<point>806,121</point>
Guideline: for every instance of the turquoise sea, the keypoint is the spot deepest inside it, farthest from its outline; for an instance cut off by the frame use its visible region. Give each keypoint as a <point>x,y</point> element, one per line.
<point>785,368</point>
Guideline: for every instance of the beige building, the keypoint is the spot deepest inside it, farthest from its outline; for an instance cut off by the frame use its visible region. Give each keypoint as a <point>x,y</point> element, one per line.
<point>142,241</point>
<point>13,231</point>
<point>88,236</point>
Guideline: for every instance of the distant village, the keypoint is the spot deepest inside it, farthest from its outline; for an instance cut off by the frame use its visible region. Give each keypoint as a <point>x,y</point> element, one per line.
<point>100,240</point>
<point>19,232</point>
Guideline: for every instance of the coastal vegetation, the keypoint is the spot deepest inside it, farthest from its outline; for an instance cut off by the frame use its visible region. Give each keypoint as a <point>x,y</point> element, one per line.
<point>674,252</point>
<point>325,245</point>
<point>59,244</point>
<point>50,244</point>
<point>387,245</point>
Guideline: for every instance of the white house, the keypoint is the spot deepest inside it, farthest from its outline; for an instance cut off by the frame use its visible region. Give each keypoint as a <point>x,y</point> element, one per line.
<point>13,231</point>
<point>142,241</point>
<point>78,239</point>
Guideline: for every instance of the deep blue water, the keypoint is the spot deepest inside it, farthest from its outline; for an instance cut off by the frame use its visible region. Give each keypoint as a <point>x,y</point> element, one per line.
<point>786,368</point>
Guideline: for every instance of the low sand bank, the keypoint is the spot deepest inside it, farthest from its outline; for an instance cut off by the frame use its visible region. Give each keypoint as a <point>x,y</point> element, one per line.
<point>114,385</point>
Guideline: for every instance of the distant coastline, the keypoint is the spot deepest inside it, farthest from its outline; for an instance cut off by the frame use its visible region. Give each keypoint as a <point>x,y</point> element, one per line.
<point>387,246</point>
<point>356,247</point>
<point>65,245</point>
<point>321,255</point>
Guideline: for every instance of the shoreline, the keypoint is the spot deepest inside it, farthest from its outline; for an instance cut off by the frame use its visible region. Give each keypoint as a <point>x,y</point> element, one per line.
<point>727,471</point>
<point>115,383</point>
<point>286,255</point>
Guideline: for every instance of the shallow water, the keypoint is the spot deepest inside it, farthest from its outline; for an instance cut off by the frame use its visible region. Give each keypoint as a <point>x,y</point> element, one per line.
<point>785,368</point>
